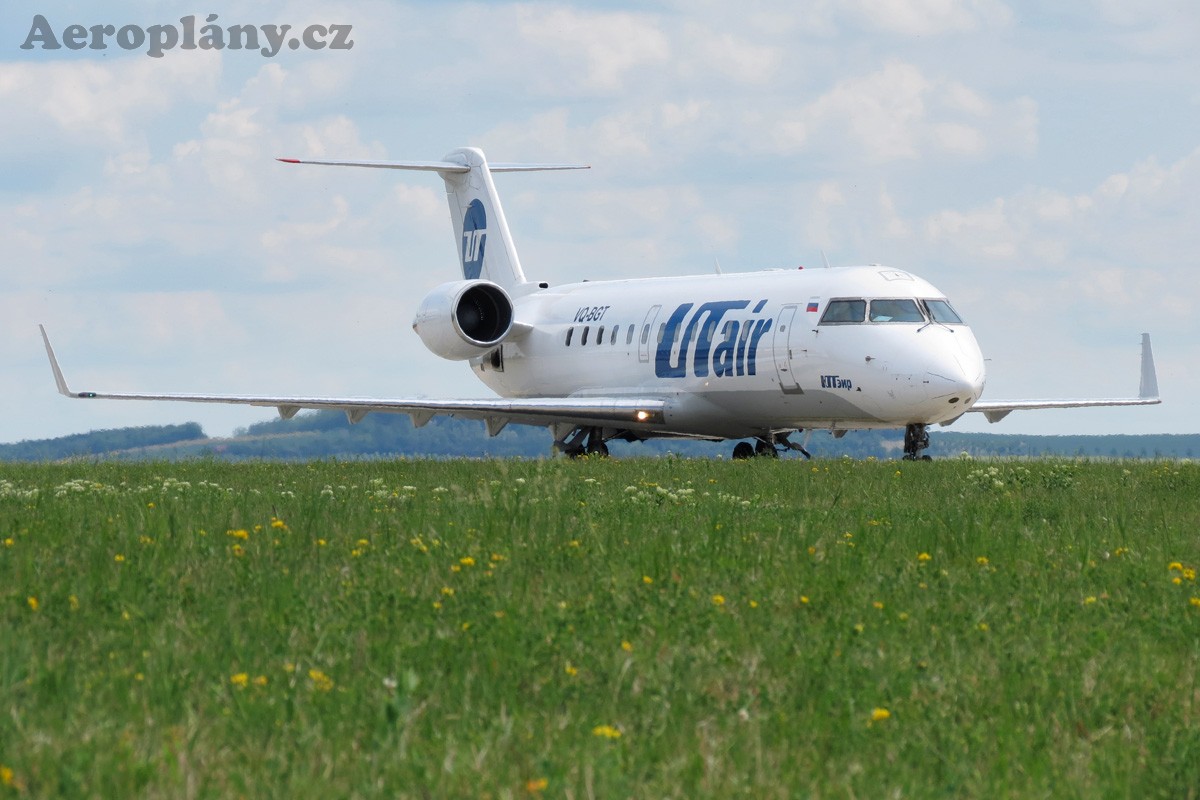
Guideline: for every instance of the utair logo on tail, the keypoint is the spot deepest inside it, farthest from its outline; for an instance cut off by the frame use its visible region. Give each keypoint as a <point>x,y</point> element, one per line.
<point>474,237</point>
<point>735,354</point>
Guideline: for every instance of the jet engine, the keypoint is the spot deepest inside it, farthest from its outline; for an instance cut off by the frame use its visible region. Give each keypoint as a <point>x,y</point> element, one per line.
<point>463,319</point>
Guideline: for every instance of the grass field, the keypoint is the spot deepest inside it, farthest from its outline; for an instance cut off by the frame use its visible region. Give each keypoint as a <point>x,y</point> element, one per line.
<point>645,628</point>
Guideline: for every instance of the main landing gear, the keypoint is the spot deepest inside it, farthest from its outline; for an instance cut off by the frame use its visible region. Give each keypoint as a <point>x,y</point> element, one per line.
<point>768,446</point>
<point>916,439</point>
<point>583,442</point>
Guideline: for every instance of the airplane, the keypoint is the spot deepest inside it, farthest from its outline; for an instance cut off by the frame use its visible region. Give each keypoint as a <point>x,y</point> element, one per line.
<point>754,356</point>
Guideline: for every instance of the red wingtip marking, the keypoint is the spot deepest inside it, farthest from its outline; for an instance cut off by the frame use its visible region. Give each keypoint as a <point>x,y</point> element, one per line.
<point>289,160</point>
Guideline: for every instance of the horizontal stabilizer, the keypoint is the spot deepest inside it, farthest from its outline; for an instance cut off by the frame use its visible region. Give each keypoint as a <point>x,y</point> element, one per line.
<point>432,166</point>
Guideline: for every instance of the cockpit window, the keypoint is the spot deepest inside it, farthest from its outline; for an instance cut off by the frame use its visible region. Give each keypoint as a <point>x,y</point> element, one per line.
<point>844,311</point>
<point>940,311</point>
<point>903,310</point>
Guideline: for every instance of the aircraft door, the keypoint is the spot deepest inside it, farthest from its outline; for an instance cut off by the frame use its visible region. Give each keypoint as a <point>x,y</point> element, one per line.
<point>647,337</point>
<point>782,347</point>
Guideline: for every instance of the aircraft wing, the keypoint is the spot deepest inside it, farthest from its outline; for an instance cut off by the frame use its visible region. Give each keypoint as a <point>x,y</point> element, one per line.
<point>495,412</point>
<point>996,410</point>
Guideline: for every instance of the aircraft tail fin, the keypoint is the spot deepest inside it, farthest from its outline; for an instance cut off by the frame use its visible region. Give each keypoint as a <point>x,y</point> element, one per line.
<point>485,246</point>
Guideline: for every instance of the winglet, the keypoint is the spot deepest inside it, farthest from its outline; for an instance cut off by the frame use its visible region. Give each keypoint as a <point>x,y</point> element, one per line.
<point>1149,386</point>
<point>59,380</point>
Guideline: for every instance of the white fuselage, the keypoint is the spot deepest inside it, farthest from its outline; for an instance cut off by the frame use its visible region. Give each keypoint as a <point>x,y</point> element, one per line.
<point>745,354</point>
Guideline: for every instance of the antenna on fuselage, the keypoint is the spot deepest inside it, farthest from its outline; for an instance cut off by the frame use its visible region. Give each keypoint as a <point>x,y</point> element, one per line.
<point>826,260</point>
<point>717,264</point>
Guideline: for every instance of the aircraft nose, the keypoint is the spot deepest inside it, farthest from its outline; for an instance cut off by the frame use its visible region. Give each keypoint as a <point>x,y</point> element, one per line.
<point>955,381</point>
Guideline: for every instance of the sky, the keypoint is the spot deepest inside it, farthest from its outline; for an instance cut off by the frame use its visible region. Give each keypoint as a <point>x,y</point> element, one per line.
<point>1038,163</point>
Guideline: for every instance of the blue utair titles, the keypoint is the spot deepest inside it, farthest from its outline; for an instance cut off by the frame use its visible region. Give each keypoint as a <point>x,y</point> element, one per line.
<point>734,353</point>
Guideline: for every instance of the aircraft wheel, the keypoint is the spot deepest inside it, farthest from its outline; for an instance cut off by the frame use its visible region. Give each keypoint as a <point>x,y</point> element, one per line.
<point>743,451</point>
<point>765,449</point>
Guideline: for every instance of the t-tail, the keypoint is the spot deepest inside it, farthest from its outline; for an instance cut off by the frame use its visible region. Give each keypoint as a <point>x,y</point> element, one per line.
<point>485,245</point>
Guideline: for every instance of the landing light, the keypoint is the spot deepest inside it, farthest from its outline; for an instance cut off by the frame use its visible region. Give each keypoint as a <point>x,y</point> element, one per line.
<point>642,416</point>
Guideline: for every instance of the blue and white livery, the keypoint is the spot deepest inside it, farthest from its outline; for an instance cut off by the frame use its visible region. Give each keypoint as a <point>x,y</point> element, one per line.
<point>756,356</point>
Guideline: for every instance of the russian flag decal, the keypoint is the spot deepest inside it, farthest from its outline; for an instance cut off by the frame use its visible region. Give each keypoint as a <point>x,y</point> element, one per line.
<point>812,306</point>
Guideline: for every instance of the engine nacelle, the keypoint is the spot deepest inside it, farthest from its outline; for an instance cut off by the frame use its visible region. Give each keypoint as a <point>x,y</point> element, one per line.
<point>463,319</point>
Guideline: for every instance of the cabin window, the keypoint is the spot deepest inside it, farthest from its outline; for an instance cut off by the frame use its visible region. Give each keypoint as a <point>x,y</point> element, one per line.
<point>662,332</point>
<point>629,336</point>
<point>570,331</point>
<point>645,333</point>
<point>613,338</point>
<point>583,336</point>
<point>903,310</point>
<point>600,335</point>
<point>844,311</point>
<point>940,311</point>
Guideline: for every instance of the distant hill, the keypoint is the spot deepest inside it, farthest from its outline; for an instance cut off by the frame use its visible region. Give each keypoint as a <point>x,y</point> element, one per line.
<point>327,434</point>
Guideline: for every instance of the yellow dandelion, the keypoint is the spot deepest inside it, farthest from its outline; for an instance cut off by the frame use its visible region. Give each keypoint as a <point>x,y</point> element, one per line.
<point>924,557</point>
<point>878,604</point>
<point>1189,574</point>
<point>278,524</point>
<point>718,599</point>
<point>240,533</point>
<point>646,579</point>
<point>150,505</point>
<point>240,680</point>
<point>983,626</point>
<point>467,561</point>
<point>120,559</point>
<point>7,776</point>
<point>1175,566</point>
<point>447,591</point>
<point>73,601</point>
<point>571,669</point>
<point>237,550</point>
<point>1195,601</point>
<point>536,785</point>
<point>436,605</point>
<point>606,731</point>
<point>260,680</point>
<point>9,542</point>
<point>804,599</point>
<point>880,714</point>
<point>754,604</point>
<point>1177,581</point>
<point>982,561</point>
<point>859,627</point>
<point>33,603</point>
<point>320,681</point>
<point>1089,600</point>
<point>626,646</point>
<point>321,542</point>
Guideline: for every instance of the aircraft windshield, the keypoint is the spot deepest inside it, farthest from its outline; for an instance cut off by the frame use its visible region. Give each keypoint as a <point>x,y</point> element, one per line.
<point>940,311</point>
<point>844,311</point>
<point>856,311</point>
<point>896,311</point>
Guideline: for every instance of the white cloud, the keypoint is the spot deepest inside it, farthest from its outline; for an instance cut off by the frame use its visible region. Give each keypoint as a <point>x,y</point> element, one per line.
<point>899,113</point>
<point>930,17</point>
<point>592,52</point>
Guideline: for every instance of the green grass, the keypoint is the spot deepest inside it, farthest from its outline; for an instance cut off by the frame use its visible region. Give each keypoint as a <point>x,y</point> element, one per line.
<point>657,628</point>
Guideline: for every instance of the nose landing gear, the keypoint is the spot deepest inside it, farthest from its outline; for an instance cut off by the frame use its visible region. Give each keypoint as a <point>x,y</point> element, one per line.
<point>916,439</point>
